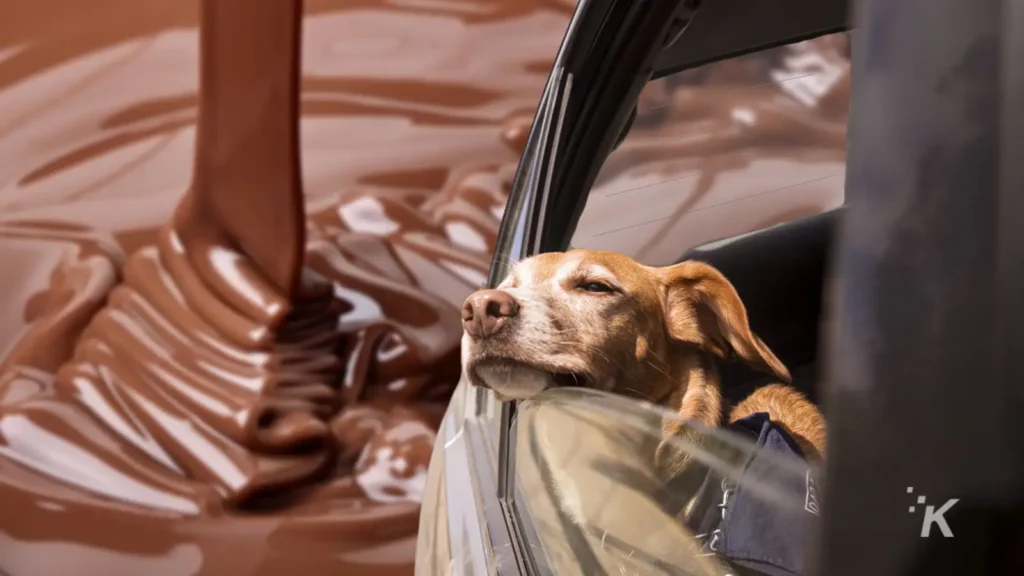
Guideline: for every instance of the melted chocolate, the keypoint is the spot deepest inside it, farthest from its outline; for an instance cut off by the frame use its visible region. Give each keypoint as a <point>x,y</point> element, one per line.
<point>185,397</point>
<point>228,373</point>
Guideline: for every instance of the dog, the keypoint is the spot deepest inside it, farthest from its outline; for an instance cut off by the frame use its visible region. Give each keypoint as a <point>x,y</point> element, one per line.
<point>602,320</point>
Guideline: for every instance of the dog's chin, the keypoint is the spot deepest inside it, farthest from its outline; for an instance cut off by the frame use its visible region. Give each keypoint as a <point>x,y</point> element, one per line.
<point>514,380</point>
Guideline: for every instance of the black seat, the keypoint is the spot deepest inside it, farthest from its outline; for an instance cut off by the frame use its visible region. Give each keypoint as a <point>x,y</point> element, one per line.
<point>779,273</point>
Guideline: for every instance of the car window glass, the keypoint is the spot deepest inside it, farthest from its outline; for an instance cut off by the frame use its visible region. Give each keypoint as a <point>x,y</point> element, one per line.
<point>598,504</point>
<point>725,149</point>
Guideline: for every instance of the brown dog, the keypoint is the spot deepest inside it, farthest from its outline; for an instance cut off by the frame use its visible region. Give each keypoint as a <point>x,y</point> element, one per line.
<point>602,320</point>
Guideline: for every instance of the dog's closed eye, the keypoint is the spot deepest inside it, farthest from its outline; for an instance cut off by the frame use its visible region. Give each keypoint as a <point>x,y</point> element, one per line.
<point>596,287</point>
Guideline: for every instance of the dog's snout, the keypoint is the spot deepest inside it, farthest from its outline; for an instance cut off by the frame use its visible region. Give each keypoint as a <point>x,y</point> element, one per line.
<point>486,312</point>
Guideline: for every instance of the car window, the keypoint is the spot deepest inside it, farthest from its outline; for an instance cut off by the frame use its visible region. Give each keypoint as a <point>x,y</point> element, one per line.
<point>729,148</point>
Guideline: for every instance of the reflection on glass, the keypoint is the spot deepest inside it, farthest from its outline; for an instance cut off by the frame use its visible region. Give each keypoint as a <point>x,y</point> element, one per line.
<point>599,504</point>
<point>725,149</point>
<point>433,547</point>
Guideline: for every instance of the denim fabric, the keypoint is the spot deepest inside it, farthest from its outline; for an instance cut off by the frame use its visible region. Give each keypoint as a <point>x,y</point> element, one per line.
<point>756,537</point>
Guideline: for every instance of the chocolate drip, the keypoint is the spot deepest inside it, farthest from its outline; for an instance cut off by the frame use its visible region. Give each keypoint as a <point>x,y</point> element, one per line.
<point>245,205</point>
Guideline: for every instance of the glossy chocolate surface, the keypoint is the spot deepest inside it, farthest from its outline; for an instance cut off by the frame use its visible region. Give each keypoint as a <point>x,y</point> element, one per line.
<point>179,394</point>
<point>219,356</point>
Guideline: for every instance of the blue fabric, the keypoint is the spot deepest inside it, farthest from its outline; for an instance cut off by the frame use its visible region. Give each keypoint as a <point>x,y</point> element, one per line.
<point>753,536</point>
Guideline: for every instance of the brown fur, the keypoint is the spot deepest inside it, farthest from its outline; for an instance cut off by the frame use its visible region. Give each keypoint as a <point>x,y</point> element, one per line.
<point>794,412</point>
<point>654,334</point>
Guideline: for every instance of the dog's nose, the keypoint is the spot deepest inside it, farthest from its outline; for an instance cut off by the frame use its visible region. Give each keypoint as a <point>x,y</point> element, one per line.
<point>486,312</point>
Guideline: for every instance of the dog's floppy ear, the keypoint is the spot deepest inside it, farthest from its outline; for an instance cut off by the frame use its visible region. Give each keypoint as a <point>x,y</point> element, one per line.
<point>703,308</point>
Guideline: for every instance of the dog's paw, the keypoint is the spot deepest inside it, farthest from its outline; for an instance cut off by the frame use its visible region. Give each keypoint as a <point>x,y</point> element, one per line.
<point>669,461</point>
<point>679,471</point>
<point>674,455</point>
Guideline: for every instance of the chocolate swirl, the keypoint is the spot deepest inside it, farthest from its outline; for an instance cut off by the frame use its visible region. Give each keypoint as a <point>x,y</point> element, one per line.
<point>225,399</point>
<point>214,359</point>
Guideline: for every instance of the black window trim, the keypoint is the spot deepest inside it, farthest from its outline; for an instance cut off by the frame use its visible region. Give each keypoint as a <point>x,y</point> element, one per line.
<point>572,118</point>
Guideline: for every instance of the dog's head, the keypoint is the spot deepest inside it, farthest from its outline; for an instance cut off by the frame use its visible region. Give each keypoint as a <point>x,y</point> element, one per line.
<point>602,320</point>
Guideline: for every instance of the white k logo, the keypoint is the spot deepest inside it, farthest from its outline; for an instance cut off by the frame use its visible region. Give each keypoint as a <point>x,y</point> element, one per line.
<point>933,517</point>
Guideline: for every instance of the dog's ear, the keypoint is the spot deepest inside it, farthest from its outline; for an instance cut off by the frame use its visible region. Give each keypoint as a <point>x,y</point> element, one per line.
<point>703,308</point>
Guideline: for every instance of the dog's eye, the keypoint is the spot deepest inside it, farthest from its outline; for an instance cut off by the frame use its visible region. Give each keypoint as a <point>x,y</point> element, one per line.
<point>596,287</point>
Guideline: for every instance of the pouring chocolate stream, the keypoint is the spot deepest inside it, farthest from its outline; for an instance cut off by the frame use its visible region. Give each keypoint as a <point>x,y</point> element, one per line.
<point>245,205</point>
<point>217,341</point>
